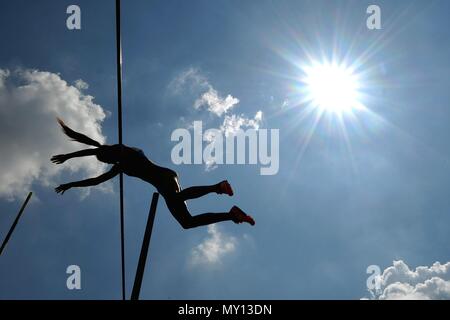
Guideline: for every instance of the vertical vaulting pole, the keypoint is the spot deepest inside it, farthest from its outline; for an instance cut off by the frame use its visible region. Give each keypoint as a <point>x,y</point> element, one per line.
<point>119,123</point>
<point>144,249</point>
<point>11,230</point>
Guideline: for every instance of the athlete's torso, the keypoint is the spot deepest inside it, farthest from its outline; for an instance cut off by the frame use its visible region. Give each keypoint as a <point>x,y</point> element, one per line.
<point>133,162</point>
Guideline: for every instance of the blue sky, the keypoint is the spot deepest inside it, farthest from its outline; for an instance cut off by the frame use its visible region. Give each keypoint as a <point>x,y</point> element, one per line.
<point>321,220</point>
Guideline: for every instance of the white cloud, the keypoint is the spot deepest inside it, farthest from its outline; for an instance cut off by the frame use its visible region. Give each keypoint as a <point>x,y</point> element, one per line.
<point>30,101</point>
<point>81,85</point>
<point>213,248</point>
<point>214,103</point>
<point>210,165</point>
<point>399,282</point>
<point>231,124</point>
<point>193,81</point>
<point>3,75</point>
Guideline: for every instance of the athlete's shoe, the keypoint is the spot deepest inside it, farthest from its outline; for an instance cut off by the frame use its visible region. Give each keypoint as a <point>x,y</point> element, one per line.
<point>224,187</point>
<point>240,216</point>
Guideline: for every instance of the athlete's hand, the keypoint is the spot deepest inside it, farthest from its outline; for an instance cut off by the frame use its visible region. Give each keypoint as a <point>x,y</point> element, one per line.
<point>58,159</point>
<point>63,188</point>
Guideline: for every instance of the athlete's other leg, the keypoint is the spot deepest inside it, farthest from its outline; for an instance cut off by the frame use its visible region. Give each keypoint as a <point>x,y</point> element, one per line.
<point>200,191</point>
<point>181,213</point>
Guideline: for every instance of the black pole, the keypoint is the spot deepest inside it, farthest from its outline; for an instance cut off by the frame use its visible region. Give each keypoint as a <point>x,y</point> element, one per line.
<point>144,250</point>
<point>119,123</point>
<point>15,223</point>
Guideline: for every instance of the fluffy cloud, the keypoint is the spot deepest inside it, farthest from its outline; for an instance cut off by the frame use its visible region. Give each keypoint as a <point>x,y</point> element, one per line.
<point>3,75</point>
<point>190,79</point>
<point>195,82</point>
<point>213,248</point>
<point>214,103</point>
<point>400,282</point>
<point>81,85</point>
<point>30,101</point>
<point>233,123</point>
<point>230,126</point>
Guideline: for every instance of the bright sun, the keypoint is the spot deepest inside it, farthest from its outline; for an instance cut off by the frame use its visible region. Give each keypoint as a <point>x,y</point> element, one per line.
<point>332,87</point>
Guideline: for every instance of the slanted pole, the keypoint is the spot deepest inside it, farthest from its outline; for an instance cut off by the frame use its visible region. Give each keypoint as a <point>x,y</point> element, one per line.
<point>11,230</point>
<point>144,250</point>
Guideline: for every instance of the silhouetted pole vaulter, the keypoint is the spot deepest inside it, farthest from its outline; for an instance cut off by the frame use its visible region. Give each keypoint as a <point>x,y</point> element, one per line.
<point>11,230</point>
<point>133,162</point>
<point>144,250</point>
<point>119,124</point>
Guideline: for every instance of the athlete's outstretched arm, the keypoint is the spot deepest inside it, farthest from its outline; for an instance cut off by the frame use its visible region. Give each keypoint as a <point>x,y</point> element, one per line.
<point>60,158</point>
<point>89,182</point>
